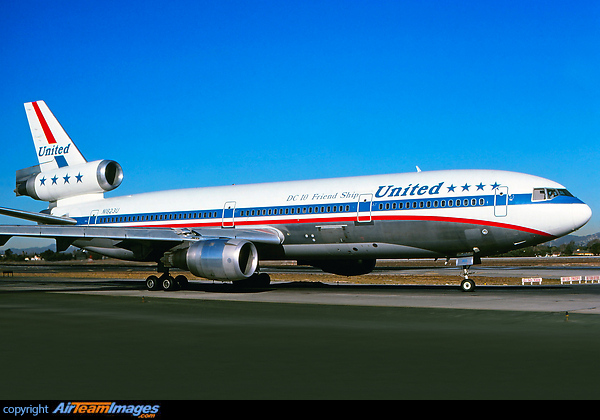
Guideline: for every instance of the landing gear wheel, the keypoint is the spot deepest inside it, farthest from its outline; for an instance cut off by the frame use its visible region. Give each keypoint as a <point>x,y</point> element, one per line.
<point>168,283</point>
<point>181,281</point>
<point>467,285</point>
<point>152,283</point>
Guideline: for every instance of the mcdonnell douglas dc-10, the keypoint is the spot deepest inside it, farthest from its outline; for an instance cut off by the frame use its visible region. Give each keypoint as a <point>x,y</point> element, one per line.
<point>339,225</point>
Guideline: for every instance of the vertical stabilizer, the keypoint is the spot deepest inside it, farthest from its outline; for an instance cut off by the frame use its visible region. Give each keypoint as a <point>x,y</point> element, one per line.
<point>53,146</point>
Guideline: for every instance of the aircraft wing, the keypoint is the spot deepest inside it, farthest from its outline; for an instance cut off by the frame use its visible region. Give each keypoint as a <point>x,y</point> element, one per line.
<point>68,234</point>
<point>62,230</point>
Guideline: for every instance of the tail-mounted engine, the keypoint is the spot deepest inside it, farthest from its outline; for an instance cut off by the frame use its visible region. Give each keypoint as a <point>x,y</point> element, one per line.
<point>69,181</point>
<point>217,259</point>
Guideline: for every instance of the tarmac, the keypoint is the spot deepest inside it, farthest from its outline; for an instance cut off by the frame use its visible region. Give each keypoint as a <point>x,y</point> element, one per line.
<point>94,333</point>
<point>316,288</point>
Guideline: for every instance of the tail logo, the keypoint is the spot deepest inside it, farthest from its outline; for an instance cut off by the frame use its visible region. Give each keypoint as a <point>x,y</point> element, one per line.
<point>44,124</point>
<point>54,150</point>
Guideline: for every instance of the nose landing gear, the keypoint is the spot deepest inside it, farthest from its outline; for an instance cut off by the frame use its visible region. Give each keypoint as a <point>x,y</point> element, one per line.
<point>467,285</point>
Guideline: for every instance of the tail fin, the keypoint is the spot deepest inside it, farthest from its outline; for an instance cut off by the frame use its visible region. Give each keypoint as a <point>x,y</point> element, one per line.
<point>54,147</point>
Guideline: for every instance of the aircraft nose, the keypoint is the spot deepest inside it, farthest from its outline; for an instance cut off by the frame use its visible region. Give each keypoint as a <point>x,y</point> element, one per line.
<point>581,215</point>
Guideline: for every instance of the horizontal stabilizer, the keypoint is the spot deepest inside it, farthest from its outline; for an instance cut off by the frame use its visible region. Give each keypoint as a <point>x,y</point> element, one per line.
<point>37,217</point>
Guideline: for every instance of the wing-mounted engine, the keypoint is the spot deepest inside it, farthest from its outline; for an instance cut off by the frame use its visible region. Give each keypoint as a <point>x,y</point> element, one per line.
<point>217,259</point>
<point>69,181</point>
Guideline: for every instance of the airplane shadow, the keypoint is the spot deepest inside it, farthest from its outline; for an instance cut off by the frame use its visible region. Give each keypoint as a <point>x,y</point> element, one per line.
<point>316,286</point>
<point>29,285</point>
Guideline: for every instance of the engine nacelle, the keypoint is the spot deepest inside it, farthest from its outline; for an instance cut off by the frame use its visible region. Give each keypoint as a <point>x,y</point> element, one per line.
<point>69,181</point>
<point>218,259</point>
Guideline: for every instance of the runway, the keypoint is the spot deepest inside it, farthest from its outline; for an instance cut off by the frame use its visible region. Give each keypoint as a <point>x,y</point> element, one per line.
<point>104,338</point>
<point>584,298</point>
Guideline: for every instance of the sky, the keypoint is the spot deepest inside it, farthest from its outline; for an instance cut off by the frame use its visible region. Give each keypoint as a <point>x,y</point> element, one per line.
<point>203,93</point>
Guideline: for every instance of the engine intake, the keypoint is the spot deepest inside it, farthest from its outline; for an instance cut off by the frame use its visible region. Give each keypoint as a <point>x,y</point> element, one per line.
<point>218,259</point>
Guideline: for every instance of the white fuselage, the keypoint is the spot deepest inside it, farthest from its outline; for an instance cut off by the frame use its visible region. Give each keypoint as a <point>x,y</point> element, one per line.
<point>437,213</point>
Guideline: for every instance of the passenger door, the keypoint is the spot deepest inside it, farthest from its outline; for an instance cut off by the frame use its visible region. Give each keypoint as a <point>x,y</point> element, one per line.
<point>228,215</point>
<point>501,201</point>
<point>364,208</point>
<point>92,217</point>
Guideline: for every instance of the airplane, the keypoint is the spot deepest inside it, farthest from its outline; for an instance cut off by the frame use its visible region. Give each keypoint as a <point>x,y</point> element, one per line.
<point>340,225</point>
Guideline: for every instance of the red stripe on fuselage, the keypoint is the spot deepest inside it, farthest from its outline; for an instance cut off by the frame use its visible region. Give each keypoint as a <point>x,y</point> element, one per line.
<point>217,223</point>
<point>44,124</point>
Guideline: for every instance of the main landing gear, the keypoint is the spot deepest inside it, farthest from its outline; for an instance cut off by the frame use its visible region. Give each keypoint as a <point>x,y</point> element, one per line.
<point>168,283</point>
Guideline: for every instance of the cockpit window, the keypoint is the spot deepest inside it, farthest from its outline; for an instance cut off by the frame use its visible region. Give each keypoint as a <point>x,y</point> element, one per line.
<point>542,194</point>
<point>539,194</point>
<point>565,193</point>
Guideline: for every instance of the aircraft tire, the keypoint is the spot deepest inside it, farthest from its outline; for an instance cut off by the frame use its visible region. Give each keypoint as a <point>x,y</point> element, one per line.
<point>181,281</point>
<point>152,283</point>
<point>467,285</point>
<point>168,283</point>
